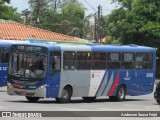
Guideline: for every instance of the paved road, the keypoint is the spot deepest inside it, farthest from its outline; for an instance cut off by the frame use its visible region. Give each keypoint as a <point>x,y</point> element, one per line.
<point>136,103</point>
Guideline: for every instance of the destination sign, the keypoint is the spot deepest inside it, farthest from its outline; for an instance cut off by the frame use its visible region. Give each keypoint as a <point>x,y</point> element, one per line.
<point>29,48</point>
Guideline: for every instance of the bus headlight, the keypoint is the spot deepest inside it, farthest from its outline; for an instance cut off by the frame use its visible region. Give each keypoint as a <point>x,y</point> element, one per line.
<point>43,86</point>
<point>9,85</point>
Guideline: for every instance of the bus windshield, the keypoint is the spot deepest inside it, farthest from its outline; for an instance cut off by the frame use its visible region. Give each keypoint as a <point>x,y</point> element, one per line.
<point>28,65</point>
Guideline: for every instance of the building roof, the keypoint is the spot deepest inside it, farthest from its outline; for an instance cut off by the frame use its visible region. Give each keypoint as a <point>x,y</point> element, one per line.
<point>10,30</point>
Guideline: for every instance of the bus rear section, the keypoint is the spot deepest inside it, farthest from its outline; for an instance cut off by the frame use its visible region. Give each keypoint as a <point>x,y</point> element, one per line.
<point>4,53</point>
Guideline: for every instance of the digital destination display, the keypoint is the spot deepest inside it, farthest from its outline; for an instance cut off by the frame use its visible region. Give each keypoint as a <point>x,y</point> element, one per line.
<point>29,48</point>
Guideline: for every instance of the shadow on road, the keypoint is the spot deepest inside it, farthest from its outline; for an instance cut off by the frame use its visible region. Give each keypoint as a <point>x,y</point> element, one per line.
<point>42,101</point>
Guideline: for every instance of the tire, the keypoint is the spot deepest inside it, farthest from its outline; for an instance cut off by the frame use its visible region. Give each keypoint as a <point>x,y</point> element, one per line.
<point>158,101</point>
<point>121,93</point>
<point>89,99</point>
<point>32,99</point>
<point>112,98</point>
<point>65,96</point>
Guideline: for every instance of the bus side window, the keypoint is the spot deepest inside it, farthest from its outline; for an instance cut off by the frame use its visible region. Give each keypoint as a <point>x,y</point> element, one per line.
<point>127,60</point>
<point>69,58</point>
<point>98,61</point>
<point>150,60</point>
<point>84,60</point>
<point>55,61</point>
<point>114,61</point>
<point>141,61</point>
<point>0,54</point>
<point>5,55</point>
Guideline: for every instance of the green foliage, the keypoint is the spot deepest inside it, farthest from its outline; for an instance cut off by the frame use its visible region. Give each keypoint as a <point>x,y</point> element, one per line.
<point>138,23</point>
<point>9,13</point>
<point>65,17</point>
<point>111,40</point>
<point>3,1</point>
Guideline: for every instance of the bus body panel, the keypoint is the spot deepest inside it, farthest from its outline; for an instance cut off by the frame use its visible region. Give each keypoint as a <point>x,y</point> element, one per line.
<point>3,74</point>
<point>53,86</point>
<point>79,80</point>
<point>4,47</point>
<point>96,78</point>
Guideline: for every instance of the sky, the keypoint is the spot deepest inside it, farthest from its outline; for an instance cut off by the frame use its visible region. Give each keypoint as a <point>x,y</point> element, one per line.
<point>91,5</point>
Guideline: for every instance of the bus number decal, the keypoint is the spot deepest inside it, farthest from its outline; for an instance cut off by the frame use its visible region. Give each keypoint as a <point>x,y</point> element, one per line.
<point>150,75</point>
<point>3,68</point>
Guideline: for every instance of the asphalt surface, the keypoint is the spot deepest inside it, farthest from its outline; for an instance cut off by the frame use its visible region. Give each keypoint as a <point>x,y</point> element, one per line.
<point>132,103</point>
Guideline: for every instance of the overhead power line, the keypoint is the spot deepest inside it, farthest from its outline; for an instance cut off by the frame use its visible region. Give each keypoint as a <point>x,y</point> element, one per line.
<point>91,6</point>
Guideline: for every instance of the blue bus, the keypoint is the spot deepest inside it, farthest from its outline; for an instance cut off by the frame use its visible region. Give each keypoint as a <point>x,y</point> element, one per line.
<point>88,71</point>
<point>4,53</point>
<point>5,46</point>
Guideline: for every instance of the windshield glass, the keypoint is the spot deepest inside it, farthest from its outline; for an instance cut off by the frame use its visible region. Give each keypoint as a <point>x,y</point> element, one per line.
<point>28,65</point>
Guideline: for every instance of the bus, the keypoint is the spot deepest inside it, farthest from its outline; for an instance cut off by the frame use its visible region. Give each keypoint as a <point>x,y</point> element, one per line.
<point>5,46</point>
<point>62,71</point>
<point>4,53</point>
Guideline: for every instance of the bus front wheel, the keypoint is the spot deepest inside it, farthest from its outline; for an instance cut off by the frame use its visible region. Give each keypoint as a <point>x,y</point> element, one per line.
<point>32,99</point>
<point>89,99</point>
<point>121,93</point>
<point>65,96</point>
<point>158,101</point>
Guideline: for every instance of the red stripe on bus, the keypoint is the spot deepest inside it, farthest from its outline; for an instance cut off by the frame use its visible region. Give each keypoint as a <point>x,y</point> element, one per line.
<point>114,85</point>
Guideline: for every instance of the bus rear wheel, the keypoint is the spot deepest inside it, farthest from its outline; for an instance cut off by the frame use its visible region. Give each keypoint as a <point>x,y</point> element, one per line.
<point>66,96</point>
<point>158,101</point>
<point>121,93</point>
<point>32,99</point>
<point>89,99</point>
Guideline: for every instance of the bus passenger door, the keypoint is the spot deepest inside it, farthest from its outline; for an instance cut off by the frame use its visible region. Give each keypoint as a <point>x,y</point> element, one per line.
<point>4,66</point>
<point>54,79</point>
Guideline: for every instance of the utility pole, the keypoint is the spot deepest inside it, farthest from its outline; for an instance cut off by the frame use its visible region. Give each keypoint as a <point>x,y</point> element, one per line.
<point>95,27</point>
<point>98,31</point>
<point>37,11</point>
<point>99,24</point>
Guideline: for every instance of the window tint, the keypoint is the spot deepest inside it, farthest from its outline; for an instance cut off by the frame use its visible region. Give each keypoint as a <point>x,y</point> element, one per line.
<point>55,60</point>
<point>83,60</point>
<point>113,61</point>
<point>69,59</point>
<point>141,61</point>
<point>127,60</point>
<point>5,55</point>
<point>150,61</point>
<point>99,61</point>
<point>0,54</point>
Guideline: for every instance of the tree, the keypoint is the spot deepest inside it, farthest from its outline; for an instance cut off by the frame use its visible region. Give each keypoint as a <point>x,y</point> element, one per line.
<point>125,3</point>
<point>3,1</point>
<point>67,17</point>
<point>8,12</point>
<point>140,25</point>
<point>74,14</point>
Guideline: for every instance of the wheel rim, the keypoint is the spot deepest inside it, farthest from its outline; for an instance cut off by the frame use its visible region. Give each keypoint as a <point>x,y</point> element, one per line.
<point>121,93</point>
<point>65,94</point>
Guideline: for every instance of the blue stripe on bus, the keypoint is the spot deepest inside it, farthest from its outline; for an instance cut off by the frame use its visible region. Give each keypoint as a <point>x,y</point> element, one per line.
<point>108,83</point>
<point>101,83</point>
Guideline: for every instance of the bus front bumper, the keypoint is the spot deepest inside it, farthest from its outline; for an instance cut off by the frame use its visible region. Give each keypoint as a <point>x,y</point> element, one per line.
<point>39,92</point>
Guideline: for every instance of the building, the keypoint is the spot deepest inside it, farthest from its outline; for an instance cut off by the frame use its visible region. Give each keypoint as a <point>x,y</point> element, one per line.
<point>10,30</point>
